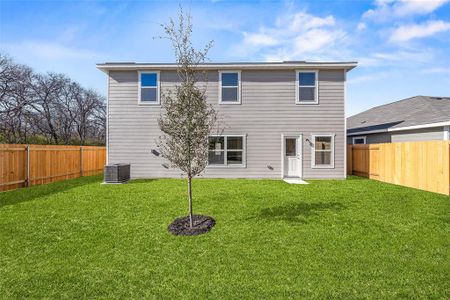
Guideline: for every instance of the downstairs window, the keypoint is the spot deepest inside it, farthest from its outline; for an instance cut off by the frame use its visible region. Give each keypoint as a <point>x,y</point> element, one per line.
<point>226,150</point>
<point>323,151</point>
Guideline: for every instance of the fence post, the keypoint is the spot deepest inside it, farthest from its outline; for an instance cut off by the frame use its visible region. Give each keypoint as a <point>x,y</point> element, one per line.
<point>81,161</point>
<point>28,181</point>
<point>349,160</point>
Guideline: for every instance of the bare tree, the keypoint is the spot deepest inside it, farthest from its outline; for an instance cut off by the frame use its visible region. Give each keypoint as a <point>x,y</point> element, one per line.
<point>46,90</point>
<point>84,107</point>
<point>14,99</point>
<point>186,118</point>
<point>47,108</point>
<point>64,110</point>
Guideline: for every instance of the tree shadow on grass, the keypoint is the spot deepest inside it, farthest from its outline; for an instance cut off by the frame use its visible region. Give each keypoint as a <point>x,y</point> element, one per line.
<point>39,191</point>
<point>298,212</point>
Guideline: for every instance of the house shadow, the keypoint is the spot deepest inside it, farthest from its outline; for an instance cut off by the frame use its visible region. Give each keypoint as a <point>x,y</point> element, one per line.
<point>39,191</point>
<point>298,212</point>
<point>141,181</point>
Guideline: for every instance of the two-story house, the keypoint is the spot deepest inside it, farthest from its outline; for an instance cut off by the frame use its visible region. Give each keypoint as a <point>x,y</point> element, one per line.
<point>280,119</point>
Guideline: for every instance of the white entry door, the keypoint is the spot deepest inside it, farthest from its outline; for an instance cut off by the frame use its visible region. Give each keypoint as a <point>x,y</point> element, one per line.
<point>292,156</point>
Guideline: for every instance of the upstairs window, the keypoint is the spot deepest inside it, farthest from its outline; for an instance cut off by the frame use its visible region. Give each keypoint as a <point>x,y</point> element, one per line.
<point>149,88</point>
<point>307,87</point>
<point>323,151</point>
<point>230,87</point>
<point>226,150</point>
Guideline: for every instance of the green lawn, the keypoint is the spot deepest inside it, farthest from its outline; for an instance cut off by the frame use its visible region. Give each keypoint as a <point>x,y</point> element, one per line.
<point>331,239</point>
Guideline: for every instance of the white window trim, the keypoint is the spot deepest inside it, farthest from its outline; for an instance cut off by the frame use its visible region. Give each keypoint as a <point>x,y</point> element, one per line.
<point>158,87</point>
<point>239,88</point>
<point>297,87</point>
<point>313,151</point>
<point>225,149</point>
<point>359,137</point>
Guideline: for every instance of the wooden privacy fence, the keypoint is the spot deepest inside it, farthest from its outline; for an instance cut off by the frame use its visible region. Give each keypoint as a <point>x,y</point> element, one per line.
<point>420,165</point>
<point>26,165</point>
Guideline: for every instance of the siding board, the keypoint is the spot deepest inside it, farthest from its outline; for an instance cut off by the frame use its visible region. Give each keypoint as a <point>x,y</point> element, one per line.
<point>268,110</point>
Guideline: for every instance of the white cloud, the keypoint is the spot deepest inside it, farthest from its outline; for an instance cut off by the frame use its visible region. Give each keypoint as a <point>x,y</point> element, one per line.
<point>48,51</point>
<point>260,39</point>
<point>316,39</point>
<point>436,71</point>
<point>361,26</point>
<point>408,7</point>
<point>408,32</point>
<point>369,77</point>
<point>294,37</point>
<point>397,58</point>
<point>304,21</point>
<point>387,9</point>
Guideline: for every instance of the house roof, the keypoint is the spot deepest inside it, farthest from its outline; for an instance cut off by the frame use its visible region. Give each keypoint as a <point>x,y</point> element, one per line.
<point>411,113</point>
<point>229,65</point>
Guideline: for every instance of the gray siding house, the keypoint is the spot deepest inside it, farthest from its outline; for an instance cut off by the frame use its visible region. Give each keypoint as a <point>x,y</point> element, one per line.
<point>420,118</point>
<point>284,119</point>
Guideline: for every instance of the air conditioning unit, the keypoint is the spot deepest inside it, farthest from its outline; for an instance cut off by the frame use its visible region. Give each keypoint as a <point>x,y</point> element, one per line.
<point>117,173</point>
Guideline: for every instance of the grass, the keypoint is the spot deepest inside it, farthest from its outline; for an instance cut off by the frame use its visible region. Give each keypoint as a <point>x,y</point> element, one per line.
<point>331,239</point>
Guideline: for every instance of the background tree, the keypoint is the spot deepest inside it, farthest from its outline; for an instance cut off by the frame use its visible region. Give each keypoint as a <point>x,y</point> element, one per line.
<point>187,119</point>
<point>48,108</point>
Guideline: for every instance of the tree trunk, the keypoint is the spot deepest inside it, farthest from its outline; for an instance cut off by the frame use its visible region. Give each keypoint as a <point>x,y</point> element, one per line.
<point>190,200</point>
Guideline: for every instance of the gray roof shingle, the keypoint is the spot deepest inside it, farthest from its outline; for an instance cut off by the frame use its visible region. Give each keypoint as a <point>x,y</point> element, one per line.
<point>418,110</point>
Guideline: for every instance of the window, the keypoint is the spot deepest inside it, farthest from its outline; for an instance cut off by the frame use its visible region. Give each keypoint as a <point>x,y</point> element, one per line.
<point>149,88</point>
<point>226,150</point>
<point>291,147</point>
<point>307,87</point>
<point>359,140</point>
<point>323,151</point>
<point>230,87</point>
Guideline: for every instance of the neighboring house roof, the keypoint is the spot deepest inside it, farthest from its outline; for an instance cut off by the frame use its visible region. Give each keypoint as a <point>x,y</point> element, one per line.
<point>411,113</point>
<point>230,65</point>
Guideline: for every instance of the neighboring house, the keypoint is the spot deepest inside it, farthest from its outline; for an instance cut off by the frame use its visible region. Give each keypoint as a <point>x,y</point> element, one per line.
<point>419,118</point>
<point>283,119</point>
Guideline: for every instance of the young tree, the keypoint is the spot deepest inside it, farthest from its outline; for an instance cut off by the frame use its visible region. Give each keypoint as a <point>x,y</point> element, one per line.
<point>186,118</point>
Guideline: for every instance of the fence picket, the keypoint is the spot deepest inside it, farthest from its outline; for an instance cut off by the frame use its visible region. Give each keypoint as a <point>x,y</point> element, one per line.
<point>421,165</point>
<point>26,165</point>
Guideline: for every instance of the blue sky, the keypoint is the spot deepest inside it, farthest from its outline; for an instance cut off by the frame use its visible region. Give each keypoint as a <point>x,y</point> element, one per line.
<point>403,47</point>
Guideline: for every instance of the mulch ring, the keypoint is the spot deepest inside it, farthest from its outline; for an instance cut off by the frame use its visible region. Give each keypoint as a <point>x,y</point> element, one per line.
<point>201,224</point>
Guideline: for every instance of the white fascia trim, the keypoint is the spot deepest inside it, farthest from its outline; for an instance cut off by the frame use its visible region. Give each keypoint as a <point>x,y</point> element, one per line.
<point>158,89</point>
<point>429,125</point>
<point>239,87</point>
<point>297,87</point>
<point>107,119</point>
<point>263,66</point>
<point>345,124</point>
